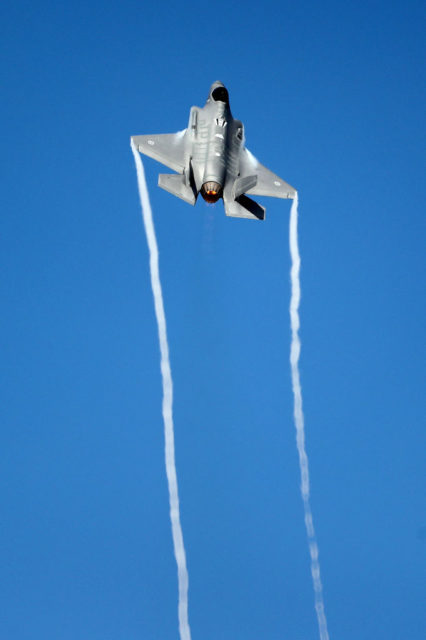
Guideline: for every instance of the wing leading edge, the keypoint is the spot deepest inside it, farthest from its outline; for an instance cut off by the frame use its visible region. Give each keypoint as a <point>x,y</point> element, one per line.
<point>268,183</point>
<point>167,148</point>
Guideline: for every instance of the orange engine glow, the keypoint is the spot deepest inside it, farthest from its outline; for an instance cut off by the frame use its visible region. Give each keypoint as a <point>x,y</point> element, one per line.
<point>211,191</point>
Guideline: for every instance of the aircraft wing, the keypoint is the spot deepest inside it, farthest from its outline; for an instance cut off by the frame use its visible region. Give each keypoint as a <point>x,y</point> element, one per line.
<point>268,183</point>
<point>167,148</point>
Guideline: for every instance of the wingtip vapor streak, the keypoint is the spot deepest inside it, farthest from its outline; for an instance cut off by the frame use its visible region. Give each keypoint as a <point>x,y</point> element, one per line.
<point>210,158</point>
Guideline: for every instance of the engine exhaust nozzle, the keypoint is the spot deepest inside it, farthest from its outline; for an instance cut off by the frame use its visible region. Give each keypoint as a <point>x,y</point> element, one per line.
<point>211,191</point>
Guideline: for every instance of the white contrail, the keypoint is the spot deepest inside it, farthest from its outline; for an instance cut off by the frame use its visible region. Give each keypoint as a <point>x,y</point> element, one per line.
<point>166,373</point>
<point>299,420</point>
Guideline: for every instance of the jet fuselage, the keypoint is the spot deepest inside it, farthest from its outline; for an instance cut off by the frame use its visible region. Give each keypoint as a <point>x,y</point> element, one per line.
<point>210,158</point>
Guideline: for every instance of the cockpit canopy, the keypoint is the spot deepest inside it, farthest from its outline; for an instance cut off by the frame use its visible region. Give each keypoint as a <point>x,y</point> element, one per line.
<point>220,94</point>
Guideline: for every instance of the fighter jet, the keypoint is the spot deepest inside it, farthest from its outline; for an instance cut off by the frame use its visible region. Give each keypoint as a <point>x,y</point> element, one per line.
<point>210,158</point>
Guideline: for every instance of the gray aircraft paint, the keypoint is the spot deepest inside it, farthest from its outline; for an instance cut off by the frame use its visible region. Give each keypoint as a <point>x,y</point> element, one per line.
<point>210,158</point>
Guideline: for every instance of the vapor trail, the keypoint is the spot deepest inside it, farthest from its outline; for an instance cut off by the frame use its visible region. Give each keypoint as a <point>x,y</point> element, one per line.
<point>299,420</point>
<point>166,373</point>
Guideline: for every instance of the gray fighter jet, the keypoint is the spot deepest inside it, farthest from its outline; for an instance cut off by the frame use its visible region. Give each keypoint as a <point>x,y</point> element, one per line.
<point>211,159</point>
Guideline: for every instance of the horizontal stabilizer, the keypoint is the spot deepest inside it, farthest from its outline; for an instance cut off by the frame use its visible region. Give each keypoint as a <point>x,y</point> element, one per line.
<point>175,184</point>
<point>244,207</point>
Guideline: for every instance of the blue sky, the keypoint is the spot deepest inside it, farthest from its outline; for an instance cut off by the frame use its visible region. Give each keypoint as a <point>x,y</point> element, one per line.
<point>332,97</point>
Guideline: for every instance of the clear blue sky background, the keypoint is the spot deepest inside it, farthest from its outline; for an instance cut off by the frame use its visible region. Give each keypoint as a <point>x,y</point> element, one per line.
<point>332,95</point>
